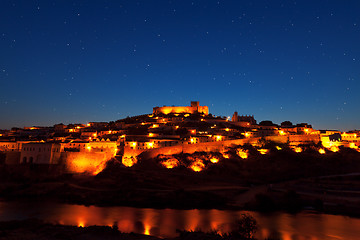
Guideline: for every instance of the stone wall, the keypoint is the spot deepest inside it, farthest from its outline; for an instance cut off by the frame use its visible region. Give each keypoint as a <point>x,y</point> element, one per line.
<point>219,146</point>
<point>188,109</point>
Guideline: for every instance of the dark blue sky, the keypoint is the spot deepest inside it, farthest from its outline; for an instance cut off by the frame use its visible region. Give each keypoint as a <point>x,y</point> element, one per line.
<point>80,61</point>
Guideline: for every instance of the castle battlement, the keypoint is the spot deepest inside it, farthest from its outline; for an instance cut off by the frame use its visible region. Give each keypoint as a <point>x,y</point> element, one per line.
<point>193,108</point>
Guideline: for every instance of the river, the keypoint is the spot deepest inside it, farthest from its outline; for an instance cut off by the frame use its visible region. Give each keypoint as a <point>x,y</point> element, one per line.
<point>164,222</point>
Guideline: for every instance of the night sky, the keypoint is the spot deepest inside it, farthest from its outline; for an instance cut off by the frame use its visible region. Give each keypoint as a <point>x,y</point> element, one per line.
<point>81,61</point>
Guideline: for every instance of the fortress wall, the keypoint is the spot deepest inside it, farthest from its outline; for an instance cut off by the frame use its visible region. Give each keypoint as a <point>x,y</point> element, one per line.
<point>219,146</point>
<point>152,153</point>
<point>188,109</point>
<point>299,139</point>
<point>129,152</point>
<point>203,109</point>
<point>295,139</point>
<point>278,139</point>
<point>197,147</point>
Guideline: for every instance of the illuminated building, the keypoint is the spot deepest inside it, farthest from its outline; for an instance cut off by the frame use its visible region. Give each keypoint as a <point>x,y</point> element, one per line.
<point>193,108</point>
<point>40,153</point>
<point>244,120</point>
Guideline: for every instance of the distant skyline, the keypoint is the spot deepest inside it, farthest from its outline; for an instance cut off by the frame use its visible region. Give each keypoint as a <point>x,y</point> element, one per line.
<point>81,61</point>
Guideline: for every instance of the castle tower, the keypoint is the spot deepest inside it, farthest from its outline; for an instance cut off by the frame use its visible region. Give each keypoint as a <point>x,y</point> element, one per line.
<point>195,104</point>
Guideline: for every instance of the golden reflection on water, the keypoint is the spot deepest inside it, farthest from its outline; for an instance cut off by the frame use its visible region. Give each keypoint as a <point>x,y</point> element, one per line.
<point>164,222</point>
<point>81,223</point>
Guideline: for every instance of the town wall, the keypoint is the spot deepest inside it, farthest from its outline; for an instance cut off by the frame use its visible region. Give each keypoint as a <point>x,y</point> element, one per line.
<point>219,146</point>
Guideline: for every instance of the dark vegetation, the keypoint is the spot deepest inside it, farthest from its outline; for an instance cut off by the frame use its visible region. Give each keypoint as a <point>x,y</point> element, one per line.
<point>37,229</point>
<point>243,229</point>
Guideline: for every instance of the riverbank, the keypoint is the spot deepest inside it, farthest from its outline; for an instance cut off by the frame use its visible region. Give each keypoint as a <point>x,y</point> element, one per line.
<point>282,180</point>
<point>63,221</point>
<point>320,194</point>
<point>36,229</point>
<point>30,229</point>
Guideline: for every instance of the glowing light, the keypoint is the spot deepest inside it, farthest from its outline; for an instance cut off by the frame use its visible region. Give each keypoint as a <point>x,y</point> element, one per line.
<point>242,153</point>
<point>227,129</point>
<point>110,132</point>
<point>352,145</point>
<point>186,115</point>
<point>334,148</point>
<point>278,148</point>
<point>98,170</point>
<point>306,130</point>
<point>88,148</point>
<point>115,151</point>
<point>282,133</point>
<point>214,160</point>
<point>151,134</point>
<point>129,161</point>
<point>170,163</point>
<point>176,127</point>
<point>150,144</point>
<point>193,131</point>
<point>225,155</point>
<point>192,140</point>
<point>218,138</point>
<point>155,125</point>
<point>133,144</point>
<point>94,135</point>
<point>147,229</point>
<point>88,124</point>
<point>322,151</point>
<point>263,151</point>
<point>298,149</point>
<point>247,134</point>
<point>197,166</point>
<point>81,223</point>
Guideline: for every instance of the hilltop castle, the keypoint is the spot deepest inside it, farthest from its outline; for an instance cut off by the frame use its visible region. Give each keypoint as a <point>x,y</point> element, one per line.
<point>193,108</point>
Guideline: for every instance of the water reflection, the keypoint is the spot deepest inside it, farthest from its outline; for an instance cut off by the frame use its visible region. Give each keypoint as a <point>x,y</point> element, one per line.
<point>164,222</point>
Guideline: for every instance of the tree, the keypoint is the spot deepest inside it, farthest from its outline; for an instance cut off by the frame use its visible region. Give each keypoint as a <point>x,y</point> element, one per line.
<point>244,228</point>
<point>266,123</point>
<point>286,124</point>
